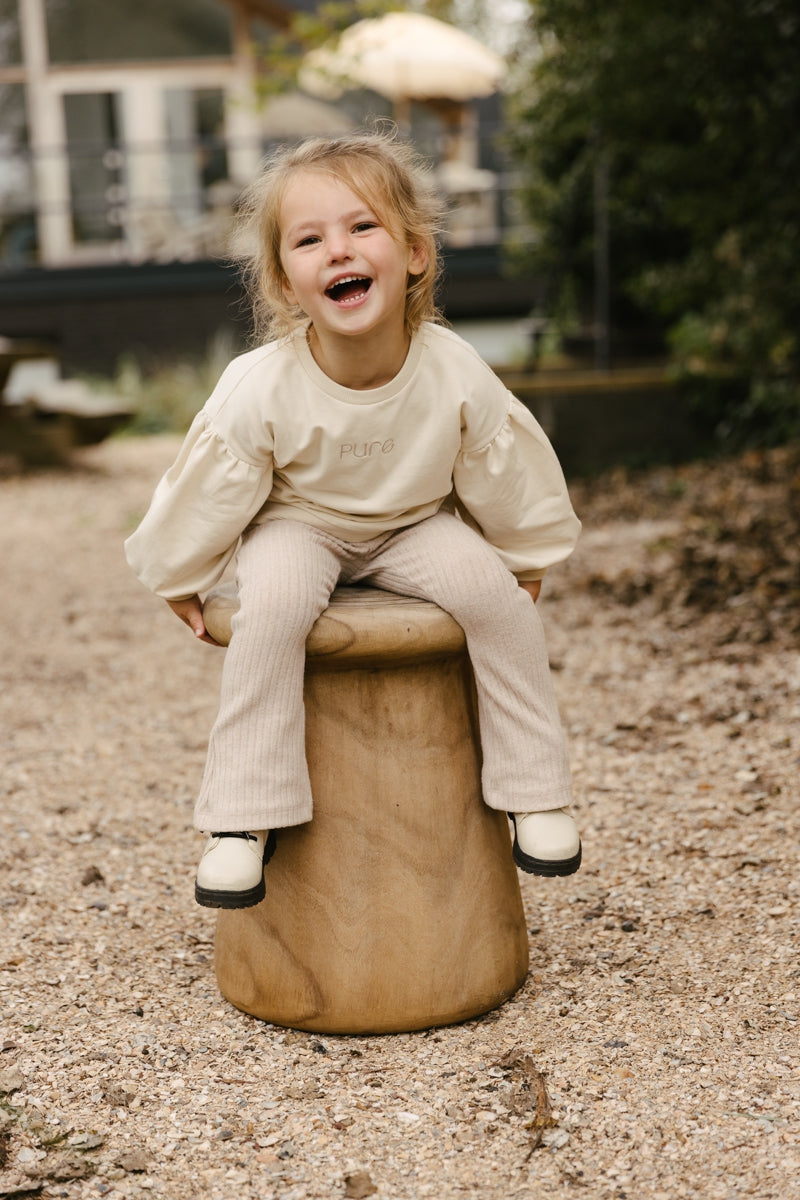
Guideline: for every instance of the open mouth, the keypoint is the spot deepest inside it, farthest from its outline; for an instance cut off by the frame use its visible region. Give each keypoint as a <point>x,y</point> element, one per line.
<point>354,287</point>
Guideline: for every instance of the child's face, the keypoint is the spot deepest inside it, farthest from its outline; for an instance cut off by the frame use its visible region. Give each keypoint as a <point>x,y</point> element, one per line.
<point>343,267</point>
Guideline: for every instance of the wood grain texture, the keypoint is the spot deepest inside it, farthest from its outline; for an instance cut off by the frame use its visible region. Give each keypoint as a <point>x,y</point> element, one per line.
<point>398,906</point>
<point>360,626</point>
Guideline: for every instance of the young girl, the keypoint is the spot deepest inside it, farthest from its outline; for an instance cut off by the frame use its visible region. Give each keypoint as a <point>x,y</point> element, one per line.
<point>342,451</point>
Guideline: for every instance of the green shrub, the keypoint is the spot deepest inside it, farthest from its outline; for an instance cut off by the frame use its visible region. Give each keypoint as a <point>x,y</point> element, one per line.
<point>165,399</point>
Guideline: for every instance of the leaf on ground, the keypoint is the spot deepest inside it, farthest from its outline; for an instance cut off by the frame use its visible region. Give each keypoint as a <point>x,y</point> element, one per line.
<point>134,1161</point>
<point>87,1141</point>
<point>530,1094</point>
<point>11,1080</point>
<point>118,1096</point>
<point>19,1187</point>
<point>61,1168</point>
<point>358,1186</point>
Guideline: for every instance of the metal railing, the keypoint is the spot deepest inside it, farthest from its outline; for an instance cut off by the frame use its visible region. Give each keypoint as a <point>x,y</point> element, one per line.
<point>139,203</point>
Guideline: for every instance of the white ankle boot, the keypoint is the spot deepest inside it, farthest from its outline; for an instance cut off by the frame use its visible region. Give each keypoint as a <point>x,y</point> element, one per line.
<point>231,870</point>
<point>546,843</point>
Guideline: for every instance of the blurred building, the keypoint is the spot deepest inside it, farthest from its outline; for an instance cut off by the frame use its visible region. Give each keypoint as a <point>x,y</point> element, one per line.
<point>128,130</point>
<point>125,131</point>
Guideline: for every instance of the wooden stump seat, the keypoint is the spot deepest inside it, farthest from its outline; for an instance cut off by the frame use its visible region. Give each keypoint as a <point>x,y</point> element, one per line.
<point>398,906</point>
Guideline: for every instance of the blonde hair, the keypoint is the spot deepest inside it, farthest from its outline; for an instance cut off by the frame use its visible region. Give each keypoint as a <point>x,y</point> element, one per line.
<point>386,173</point>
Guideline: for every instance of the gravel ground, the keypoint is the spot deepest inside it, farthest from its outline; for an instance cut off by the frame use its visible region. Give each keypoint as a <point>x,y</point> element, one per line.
<point>653,1051</point>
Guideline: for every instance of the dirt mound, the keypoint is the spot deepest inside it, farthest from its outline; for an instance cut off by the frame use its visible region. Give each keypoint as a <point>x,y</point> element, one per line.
<point>727,542</point>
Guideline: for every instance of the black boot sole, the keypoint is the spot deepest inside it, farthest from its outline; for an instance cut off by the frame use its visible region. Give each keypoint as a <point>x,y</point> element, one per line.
<point>543,866</point>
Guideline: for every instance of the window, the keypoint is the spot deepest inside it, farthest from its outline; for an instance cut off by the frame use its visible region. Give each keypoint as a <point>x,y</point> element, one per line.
<point>10,44</point>
<point>17,203</point>
<point>92,147</point>
<point>84,30</point>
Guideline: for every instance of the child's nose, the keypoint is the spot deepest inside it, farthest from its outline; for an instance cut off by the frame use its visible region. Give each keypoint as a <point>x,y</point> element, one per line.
<point>339,247</point>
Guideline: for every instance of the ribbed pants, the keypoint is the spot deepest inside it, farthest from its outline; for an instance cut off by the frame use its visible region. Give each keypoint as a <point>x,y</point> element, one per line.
<point>256,775</point>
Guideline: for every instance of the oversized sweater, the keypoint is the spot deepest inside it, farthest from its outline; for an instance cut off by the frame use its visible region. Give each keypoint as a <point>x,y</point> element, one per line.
<point>279,439</point>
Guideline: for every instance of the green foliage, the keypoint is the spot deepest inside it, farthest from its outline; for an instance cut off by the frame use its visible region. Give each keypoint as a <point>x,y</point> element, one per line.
<point>697,109</point>
<point>279,58</point>
<point>165,399</point>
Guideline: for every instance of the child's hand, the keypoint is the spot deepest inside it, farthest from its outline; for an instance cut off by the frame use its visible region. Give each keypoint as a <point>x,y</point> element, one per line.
<point>532,586</point>
<point>191,613</point>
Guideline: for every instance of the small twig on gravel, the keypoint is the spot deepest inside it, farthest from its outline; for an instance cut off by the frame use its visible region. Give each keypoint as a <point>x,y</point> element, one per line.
<point>529,1079</point>
<point>543,1118</point>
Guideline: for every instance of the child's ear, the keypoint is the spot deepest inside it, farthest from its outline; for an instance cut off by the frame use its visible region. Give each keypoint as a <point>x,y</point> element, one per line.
<point>288,293</point>
<point>418,260</point>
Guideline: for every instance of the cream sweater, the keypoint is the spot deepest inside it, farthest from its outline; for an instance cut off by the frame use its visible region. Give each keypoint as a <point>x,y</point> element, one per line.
<point>279,439</point>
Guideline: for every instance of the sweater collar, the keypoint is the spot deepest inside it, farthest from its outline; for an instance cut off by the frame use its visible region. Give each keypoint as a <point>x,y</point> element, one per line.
<point>351,395</point>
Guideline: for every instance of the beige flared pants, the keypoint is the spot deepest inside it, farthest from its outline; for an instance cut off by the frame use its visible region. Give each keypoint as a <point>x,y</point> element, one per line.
<point>256,775</point>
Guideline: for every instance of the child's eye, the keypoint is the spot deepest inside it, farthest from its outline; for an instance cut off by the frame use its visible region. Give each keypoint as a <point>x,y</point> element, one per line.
<point>309,240</point>
<point>364,226</point>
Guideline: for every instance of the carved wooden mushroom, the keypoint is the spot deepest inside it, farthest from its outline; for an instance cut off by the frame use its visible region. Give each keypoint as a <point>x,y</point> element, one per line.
<point>398,906</point>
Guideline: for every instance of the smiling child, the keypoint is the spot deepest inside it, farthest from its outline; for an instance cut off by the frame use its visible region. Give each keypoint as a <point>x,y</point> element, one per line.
<point>340,451</point>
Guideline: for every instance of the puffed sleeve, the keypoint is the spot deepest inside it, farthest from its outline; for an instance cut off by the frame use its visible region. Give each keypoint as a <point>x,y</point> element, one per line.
<point>514,489</point>
<point>198,511</point>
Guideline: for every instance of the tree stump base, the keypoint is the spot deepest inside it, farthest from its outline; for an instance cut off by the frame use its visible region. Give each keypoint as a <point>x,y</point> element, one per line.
<point>398,906</point>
